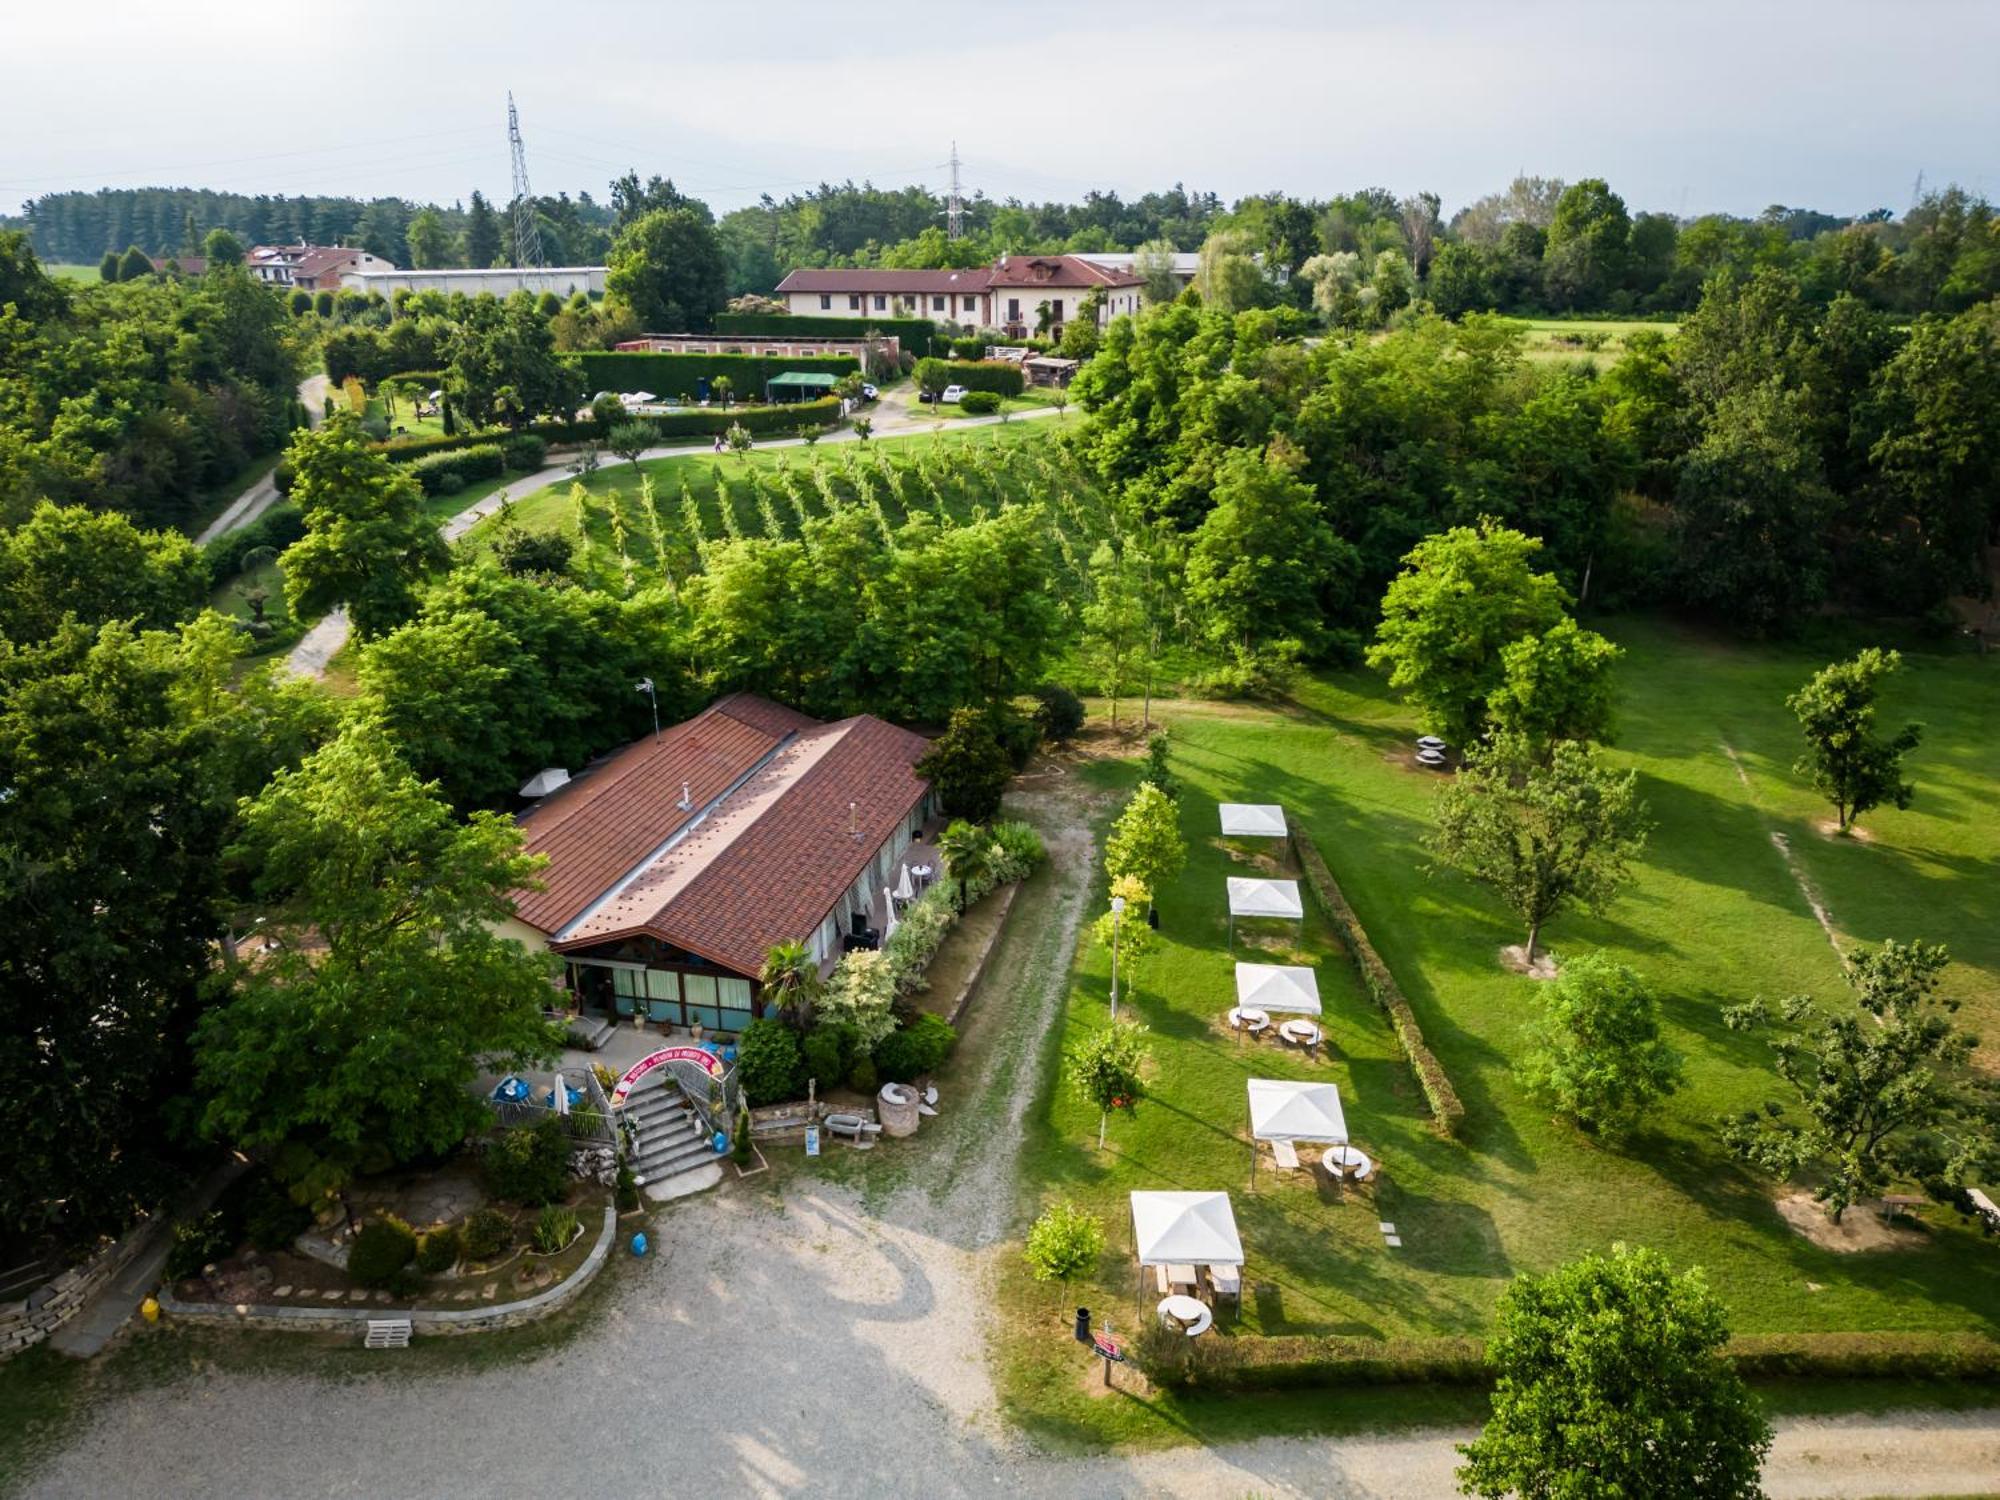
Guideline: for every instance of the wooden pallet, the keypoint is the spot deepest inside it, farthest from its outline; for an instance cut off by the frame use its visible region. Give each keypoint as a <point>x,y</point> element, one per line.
<point>388,1333</point>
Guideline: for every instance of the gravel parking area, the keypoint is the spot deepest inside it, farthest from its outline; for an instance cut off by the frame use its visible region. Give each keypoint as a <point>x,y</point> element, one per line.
<point>798,1334</point>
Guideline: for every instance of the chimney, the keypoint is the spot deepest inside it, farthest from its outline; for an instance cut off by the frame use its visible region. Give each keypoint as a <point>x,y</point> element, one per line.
<point>853,822</point>
<point>687,797</point>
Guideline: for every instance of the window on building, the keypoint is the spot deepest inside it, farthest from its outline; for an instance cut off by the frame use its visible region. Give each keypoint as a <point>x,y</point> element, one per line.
<point>628,987</point>
<point>972,304</point>
<point>880,301</point>
<point>825,301</point>
<point>854,303</point>
<point>663,997</point>
<point>937,304</point>
<point>702,1007</point>
<point>1055,311</point>
<point>1013,309</point>
<point>734,995</point>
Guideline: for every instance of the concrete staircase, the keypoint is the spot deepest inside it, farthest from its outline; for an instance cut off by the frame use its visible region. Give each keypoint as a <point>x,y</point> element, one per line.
<point>588,1033</point>
<point>670,1154</point>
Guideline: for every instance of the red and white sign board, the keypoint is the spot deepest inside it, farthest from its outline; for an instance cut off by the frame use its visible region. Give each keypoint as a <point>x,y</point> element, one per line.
<point>701,1057</point>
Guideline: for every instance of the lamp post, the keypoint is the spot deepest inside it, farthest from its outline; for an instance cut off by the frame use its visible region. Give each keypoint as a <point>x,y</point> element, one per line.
<point>645,685</point>
<point>1117,916</point>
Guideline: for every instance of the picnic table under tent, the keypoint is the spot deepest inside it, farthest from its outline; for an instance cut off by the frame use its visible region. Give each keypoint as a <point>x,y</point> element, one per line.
<point>1263,898</point>
<point>1285,1112</point>
<point>798,385</point>
<point>1187,1229</point>
<point>1253,820</point>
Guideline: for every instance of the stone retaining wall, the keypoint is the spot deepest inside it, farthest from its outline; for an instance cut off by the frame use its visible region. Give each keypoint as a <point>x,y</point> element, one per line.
<point>54,1303</point>
<point>971,985</point>
<point>436,1321</point>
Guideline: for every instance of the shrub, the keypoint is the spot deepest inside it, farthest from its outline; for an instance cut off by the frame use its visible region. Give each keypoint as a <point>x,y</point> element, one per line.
<point>532,554</point>
<point>829,1053</point>
<point>529,1166</point>
<point>979,403</point>
<point>196,1243</point>
<point>684,374</point>
<point>626,1188</point>
<point>282,477</point>
<point>862,1078</point>
<point>380,1252</point>
<point>438,1251</point>
<point>271,1218</point>
<point>377,428</point>
<point>474,462</point>
<point>277,529</point>
<point>1018,850</point>
<point>525,452</point>
<point>767,1061</point>
<point>1017,733</point>
<point>917,937</point>
<point>970,346</point>
<point>860,994</point>
<point>916,1049</point>
<point>741,1151</point>
<point>1058,712</point>
<point>914,335</point>
<point>488,1231</point>
<point>450,482</point>
<point>554,1228</point>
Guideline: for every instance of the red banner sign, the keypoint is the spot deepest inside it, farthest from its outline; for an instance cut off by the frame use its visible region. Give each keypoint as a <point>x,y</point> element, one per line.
<point>701,1057</point>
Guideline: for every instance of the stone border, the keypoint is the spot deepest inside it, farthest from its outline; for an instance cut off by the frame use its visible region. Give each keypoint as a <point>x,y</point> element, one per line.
<point>440,1321</point>
<point>971,986</point>
<point>62,1296</point>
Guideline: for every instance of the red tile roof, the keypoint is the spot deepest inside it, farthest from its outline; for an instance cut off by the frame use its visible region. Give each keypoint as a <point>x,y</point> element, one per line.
<point>1057,270</point>
<point>889,283</point>
<point>762,865</point>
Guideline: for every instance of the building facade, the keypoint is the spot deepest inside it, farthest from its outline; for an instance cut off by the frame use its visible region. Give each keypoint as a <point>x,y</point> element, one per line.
<point>886,346</point>
<point>678,862</point>
<point>499,281</point>
<point>1009,294</point>
<point>310,268</point>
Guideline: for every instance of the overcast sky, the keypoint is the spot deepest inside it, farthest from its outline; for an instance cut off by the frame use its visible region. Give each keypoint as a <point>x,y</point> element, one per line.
<point>1687,106</point>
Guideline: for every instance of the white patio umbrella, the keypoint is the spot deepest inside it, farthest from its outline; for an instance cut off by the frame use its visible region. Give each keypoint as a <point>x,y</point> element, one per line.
<point>889,921</point>
<point>561,1096</point>
<point>1283,987</point>
<point>904,890</point>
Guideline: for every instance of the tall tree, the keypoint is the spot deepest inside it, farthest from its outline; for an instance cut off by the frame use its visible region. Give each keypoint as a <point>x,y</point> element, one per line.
<point>67,562</point>
<point>967,766</point>
<point>368,542</point>
<point>1545,835</point>
<point>221,248</point>
<point>791,982</point>
<point>504,365</point>
<point>482,233</point>
<point>1462,598</point>
<point>1610,1382</point>
<point>1113,622</point>
<point>1555,686</point>
<point>353,1044</point>
<point>1585,259</point>
<point>429,242</point>
<point>1846,761</point>
<point>1883,1088</point>
<point>667,267</point>
<point>1146,842</point>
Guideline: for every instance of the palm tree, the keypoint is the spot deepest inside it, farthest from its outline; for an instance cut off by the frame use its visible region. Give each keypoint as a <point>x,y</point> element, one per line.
<point>790,977</point>
<point>968,854</point>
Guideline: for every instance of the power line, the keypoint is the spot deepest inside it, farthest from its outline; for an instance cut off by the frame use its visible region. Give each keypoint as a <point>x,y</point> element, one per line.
<point>954,211</point>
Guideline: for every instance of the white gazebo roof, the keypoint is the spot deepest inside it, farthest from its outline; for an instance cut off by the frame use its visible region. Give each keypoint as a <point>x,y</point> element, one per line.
<point>1286,987</point>
<point>1185,1229</point>
<point>1253,820</point>
<point>1281,1110</point>
<point>1264,898</point>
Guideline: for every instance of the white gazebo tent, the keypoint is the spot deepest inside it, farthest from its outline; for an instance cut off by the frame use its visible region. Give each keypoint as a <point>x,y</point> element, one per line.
<point>1284,1110</point>
<point>1292,988</point>
<point>1263,898</point>
<point>1253,820</point>
<point>1196,1229</point>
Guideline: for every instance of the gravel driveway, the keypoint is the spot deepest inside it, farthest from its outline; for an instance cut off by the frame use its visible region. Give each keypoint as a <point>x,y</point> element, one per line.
<point>795,1335</point>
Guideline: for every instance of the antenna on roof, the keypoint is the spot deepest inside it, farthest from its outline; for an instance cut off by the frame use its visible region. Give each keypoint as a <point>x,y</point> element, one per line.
<point>645,685</point>
<point>687,797</point>
<point>954,209</point>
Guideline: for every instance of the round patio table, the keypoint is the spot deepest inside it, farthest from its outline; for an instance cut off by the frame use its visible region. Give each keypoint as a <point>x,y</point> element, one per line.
<point>1303,1032</point>
<point>1191,1313</point>
<point>1249,1018</point>
<point>1348,1161</point>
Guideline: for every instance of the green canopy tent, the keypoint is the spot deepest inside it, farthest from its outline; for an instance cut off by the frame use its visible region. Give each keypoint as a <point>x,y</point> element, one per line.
<point>797,385</point>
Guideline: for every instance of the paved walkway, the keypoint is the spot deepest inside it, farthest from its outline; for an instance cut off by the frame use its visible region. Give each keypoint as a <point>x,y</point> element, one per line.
<point>262,495</point>
<point>318,646</point>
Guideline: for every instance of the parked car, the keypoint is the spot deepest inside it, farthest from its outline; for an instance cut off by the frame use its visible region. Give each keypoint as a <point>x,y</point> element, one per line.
<point>953,394</point>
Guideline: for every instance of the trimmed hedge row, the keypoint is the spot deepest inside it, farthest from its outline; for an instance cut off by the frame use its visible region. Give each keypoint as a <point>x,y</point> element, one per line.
<point>403,449</point>
<point>481,461</point>
<point>682,374</point>
<point>1315,1362</point>
<point>1002,377</point>
<point>1446,1110</point>
<point>277,529</point>
<point>913,334</point>
<point>703,421</point>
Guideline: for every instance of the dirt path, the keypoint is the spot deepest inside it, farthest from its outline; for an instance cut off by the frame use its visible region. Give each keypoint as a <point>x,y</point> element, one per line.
<point>262,495</point>
<point>1784,847</point>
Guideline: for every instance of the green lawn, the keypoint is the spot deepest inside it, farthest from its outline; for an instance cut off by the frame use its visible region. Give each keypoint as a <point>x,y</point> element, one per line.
<point>1584,338</point>
<point>86,274</point>
<point>1714,916</point>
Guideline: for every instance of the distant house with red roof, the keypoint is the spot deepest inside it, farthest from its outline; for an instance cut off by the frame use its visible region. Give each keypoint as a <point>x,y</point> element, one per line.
<point>310,268</point>
<point>678,862</point>
<point>1009,294</point>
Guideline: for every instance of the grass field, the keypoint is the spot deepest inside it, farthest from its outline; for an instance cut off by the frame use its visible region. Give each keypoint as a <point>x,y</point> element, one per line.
<point>86,274</point>
<point>1584,338</point>
<point>1716,915</point>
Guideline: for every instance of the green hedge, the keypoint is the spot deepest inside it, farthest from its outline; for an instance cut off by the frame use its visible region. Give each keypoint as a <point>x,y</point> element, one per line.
<point>913,334</point>
<point>1446,1110</point>
<point>999,376</point>
<point>403,449</point>
<point>481,461</point>
<point>682,374</point>
<point>277,529</point>
<point>1253,1363</point>
<point>757,420</point>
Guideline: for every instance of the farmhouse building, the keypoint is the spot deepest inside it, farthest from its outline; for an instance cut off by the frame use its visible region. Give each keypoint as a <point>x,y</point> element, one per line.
<point>310,268</point>
<point>676,863</point>
<point>885,347</point>
<point>496,281</point>
<point>1009,294</point>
